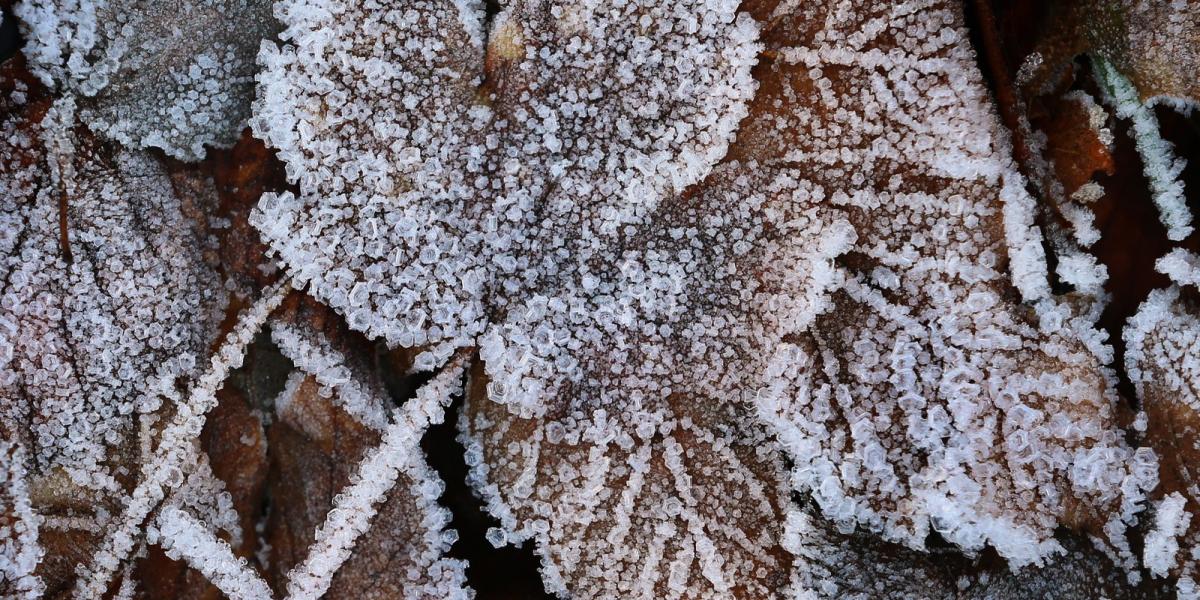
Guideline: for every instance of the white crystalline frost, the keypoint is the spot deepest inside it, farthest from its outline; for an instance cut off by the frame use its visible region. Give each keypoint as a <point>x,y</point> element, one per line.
<point>441,211</point>
<point>313,355</point>
<point>397,461</point>
<point>84,342</point>
<point>1161,545</point>
<point>1181,266</point>
<point>170,74</point>
<point>640,285</point>
<point>926,399</point>
<point>1163,338</point>
<point>184,536</point>
<point>549,223</point>
<point>1162,167</point>
<point>176,449</point>
<point>1162,359</point>
<point>19,549</point>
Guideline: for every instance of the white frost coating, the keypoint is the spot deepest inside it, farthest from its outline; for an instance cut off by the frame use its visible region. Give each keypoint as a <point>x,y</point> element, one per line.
<point>1162,359</point>
<point>183,536</point>
<point>1163,346</point>
<point>627,328</point>
<point>1161,166</point>
<point>681,501</point>
<point>472,13</point>
<point>89,328</point>
<point>174,74</point>
<point>137,300</point>
<point>175,449</point>
<point>354,507</point>
<point>1181,266</point>
<point>283,401</point>
<point>19,549</point>
<point>1097,117</point>
<point>926,399</point>
<point>205,495</point>
<point>1082,271</point>
<point>312,354</point>
<point>446,210</point>
<point>1186,589</point>
<point>1170,521</point>
<point>1028,258</point>
<point>1082,221</point>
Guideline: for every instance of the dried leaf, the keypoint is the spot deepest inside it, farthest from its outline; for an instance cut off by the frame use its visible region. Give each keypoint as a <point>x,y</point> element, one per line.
<point>176,75</point>
<point>1152,43</point>
<point>98,311</point>
<point>860,566</point>
<point>322,448</point>
<point>929,398</point>
<point>1162,345</point>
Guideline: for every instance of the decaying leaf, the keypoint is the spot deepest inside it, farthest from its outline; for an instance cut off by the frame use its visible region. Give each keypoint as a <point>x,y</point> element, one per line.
<point>679,500</point>
<point>1163,345</point>
<point>176,75</point>
<point>104,299</point>
<point>634,288</point>
<point>862,567</point>
<point>929,398</point>
<point>333,444</point>
<point>1141,54</point>
<point>1156,44</point>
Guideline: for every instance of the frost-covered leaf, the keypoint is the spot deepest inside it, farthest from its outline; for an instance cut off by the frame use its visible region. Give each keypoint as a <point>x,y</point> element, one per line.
<point>676,500</point>
<point>567,240</point>
<point>1156,44</point>
<point>234,448</point>
<point>861,567</point>
<point>1162,359</point>
<point>459,206</point>
<point>1142,53</point>
<point>174,74</point>
<point>568,198</point>
<point>930,399</point>
<point>105,297</point>
<point>354,508</point>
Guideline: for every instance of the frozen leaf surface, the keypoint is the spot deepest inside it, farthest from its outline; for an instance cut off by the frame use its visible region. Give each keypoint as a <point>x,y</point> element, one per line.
<point>104,297</point>
<point>1163,347</point>
<point>1155,44</point>
<point>356,509</point>
<point>1141,54</point>
<point>569,197</point>
<point>929,398</point>
<point>175,74</point>
<point>678,500</point>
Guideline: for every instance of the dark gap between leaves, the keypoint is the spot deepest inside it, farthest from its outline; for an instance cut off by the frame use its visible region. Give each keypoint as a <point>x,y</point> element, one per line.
<point>10,36</point>
<point>507,573</point>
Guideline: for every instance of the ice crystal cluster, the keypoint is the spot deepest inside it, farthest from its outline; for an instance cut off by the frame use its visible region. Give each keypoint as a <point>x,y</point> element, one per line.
<point>733,300</point>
